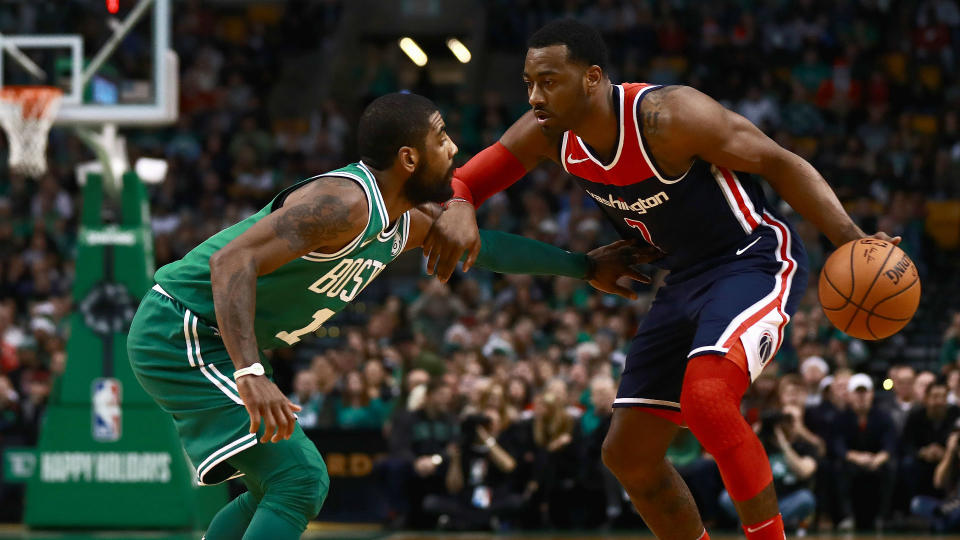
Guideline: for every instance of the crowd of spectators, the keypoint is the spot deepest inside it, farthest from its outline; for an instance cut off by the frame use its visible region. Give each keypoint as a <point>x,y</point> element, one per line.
<point>494,392</point>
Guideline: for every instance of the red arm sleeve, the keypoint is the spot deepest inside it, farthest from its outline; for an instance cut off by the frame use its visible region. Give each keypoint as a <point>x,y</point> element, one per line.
<point>492,170</point>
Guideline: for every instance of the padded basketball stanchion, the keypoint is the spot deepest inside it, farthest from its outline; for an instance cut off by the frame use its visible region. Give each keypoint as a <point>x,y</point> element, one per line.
<point>108,457</point>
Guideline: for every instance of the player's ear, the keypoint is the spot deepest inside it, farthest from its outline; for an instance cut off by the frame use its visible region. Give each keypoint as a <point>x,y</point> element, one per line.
<point>408,157</point>
<point>592,78</point>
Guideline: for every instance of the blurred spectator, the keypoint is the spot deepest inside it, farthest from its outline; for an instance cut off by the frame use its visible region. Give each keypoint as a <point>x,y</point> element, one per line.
<point>943,513</point>
<point>950,350</point>
<point>10,431</point>
<point>8,352</point>
<point>921,382</point>
<point>901,400</point>
<point>600,487</point>
<point>760,109</point>
<point>813,369</point>
<point>952,376</point>
<point>557,457</point>
<point>328,389</point>
<point>380,385</point>
<point>480,492</point>
<point>308,397</point>
<point>419,444</point>
<point>355,409</point>
<point>793,399</point>
<point>924,439</point>
<point>866,442</point>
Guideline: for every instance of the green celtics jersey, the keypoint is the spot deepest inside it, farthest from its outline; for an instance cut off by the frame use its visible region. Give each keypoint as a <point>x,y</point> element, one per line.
<point>295,299</point>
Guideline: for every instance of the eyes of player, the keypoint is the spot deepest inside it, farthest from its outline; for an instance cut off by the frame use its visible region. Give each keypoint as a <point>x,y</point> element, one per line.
<point>546,84</point>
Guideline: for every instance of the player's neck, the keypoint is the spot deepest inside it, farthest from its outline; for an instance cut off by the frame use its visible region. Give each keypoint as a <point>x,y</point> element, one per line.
<point>599,127</point>
<point>391,189</point>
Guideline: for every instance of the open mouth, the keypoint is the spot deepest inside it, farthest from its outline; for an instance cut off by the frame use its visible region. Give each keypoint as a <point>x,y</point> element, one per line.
<point>541,116</point>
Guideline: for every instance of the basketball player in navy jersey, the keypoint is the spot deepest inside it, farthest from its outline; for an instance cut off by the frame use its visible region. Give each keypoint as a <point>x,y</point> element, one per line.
<point>671,167</point>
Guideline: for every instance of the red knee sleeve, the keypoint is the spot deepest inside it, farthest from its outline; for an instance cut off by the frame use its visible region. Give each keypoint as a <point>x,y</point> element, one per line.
<point>710,401</point>
<point>492,170</point>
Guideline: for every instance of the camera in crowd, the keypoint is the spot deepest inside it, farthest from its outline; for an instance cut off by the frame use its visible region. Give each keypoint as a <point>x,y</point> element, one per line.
<point>770,420</point>
<point>468,428</point>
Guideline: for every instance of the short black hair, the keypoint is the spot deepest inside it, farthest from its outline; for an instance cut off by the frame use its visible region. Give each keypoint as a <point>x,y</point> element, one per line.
<point>940,381</point>
<point>583,42</point>
<point>390,122</point>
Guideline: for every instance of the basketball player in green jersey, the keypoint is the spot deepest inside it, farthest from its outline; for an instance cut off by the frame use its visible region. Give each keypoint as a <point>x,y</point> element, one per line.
<point>265,282</point>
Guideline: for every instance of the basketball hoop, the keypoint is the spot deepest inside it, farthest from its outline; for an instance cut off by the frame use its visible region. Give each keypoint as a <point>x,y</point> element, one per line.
<point>26,115</point>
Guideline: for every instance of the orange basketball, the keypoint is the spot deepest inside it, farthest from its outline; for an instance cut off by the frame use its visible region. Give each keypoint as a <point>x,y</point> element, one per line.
<point>869,288</point>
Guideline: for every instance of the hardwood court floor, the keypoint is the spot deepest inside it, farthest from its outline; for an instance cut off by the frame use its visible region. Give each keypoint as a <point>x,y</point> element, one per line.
<point>326,531</point>
<point>645,535</point>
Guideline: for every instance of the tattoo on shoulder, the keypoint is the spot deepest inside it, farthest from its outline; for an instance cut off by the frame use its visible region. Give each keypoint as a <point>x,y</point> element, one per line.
<point>305,224</point>
<point>652,106</point>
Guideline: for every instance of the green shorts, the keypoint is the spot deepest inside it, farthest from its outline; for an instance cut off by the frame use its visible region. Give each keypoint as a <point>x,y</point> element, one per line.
<point>182,363</point>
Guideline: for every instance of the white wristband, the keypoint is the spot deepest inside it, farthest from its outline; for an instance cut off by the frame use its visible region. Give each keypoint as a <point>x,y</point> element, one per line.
<point>252,369</point>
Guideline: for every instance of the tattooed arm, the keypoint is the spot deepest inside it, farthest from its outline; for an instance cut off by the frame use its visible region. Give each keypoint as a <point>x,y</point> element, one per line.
<point>682,124</point>
<point>324,215</point>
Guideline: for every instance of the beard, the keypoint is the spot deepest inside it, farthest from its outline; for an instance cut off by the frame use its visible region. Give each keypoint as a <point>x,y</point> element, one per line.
<point>422,187</point>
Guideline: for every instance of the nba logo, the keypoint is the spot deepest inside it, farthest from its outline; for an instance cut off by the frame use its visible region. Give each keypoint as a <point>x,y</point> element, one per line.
<point>106,402</point>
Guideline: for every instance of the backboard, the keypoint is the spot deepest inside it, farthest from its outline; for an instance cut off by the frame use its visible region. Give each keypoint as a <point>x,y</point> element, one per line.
<point>113,68</point>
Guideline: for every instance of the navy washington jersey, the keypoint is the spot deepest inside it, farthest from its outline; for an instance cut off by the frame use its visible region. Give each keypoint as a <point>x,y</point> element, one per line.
<point>693,217</point>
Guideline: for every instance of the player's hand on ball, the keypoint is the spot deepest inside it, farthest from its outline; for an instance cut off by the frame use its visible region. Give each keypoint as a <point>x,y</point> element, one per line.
<point>617,260</point>
<point>895,240</point>
<point>454,232</point>
<point>265,402</point>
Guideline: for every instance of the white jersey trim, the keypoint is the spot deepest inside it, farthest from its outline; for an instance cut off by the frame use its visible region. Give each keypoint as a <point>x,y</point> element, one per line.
<point>735,208</point>
<point>640,139</point>
<point>645,401</point>
<point>196,359</point>
<point>616,157</point>
<point>387,233</point>
<point>406,232</point>
<point>223,453</point>
<point>377,195</point>
<point>708,348</point>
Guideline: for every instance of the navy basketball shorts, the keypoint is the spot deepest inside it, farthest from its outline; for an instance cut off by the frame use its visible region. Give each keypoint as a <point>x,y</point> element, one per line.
<point>747,295</point>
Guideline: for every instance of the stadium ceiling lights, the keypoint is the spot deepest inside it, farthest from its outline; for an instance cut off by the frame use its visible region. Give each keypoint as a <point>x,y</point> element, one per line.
<point>413,51</point>
<point>459,50</point>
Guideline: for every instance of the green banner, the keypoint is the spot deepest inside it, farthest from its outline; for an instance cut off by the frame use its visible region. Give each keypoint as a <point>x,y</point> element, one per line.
<point>19,465</point>
<point>107,455</point>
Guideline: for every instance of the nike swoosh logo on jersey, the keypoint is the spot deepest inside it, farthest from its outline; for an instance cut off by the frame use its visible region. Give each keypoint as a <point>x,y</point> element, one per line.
<point>572,161</point>
<point>750,245</point>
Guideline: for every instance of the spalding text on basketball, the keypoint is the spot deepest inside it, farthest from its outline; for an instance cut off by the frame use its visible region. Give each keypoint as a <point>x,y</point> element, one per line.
<point>895,273</point>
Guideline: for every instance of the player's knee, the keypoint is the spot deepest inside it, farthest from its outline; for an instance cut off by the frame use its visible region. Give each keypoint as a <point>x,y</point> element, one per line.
<point>298,491</point>
<point>315,486</point>
<point>711,409</point>
<point>611,455</point>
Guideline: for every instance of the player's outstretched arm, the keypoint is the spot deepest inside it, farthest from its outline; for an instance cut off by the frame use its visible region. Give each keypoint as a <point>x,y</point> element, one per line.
<point>685,123</point>
<point>494,169</point>
<point>512,254</point>
<point>323,215</point>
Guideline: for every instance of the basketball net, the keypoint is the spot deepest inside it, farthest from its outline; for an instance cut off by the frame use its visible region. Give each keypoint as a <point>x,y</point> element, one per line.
<point>26,115</point>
